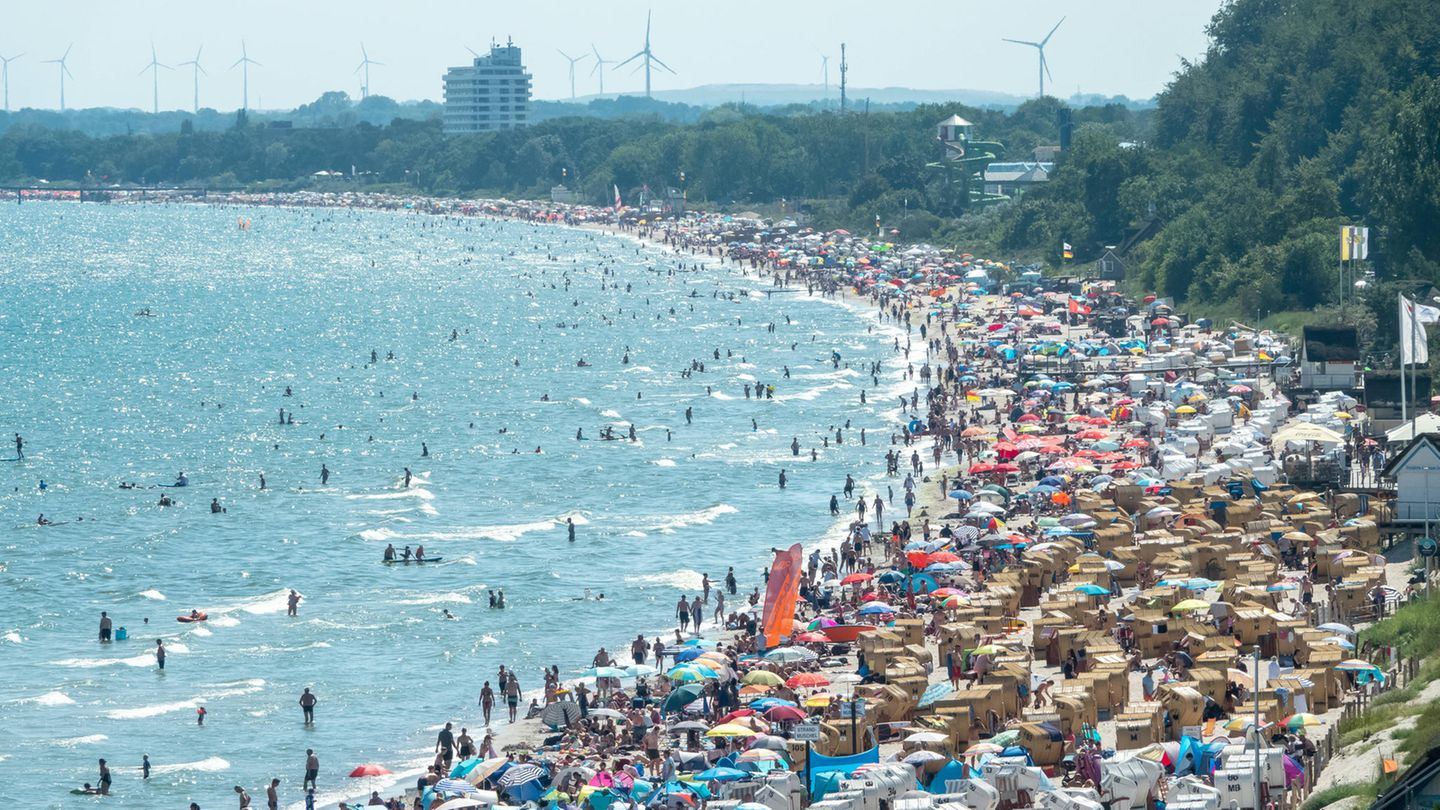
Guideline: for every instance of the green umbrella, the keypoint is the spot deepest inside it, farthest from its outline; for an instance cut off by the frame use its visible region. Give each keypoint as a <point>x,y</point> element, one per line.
<point>682,697</point>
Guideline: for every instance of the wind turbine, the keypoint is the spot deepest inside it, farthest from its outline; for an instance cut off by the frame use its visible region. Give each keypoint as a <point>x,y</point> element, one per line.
<point>154,68</point>
<point>64,71</point>
<point>244,63</point>
<point>573,60</point>
<point>825,74</point>
<point>649,57</point>
<point>600,64</point>
<point>1040,47</point>
<point>197,70</point>
<point>365,63</point>
<point>5,73</point>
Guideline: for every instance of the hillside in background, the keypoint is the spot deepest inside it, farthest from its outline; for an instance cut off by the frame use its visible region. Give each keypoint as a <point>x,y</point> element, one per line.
<point>1303,115</point>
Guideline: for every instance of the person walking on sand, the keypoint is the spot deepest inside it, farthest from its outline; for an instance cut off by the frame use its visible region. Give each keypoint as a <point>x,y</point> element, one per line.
<point>682,613</point>
<point>512,697</point>
<point>307,706</point>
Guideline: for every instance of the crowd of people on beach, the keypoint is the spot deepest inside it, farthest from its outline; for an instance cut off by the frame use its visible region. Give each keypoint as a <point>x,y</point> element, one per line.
<point>1020,408</point>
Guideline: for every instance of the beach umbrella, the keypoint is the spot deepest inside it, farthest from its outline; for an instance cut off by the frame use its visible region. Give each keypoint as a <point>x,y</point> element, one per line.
<point>607,713</point>
<point>682,697</point>
<point>1339,641</point>
<point>459,787</point>
<point>1091,589</point>
<point>640,670</point>
<point>370,769</point>
<point>873,609</point>
<point>518,774</point>
<point>988,649</point>
<point>812,637</point>
<point>561,714</point>
<point>761,755</point>
<point>721,775</point>
<point>730,730</point>
<point>807,680</point>
<point>1300,720</point>
<point>923,737</point>
<point>982,748</point>
<point>700,642</point>
<point>1337,627</point>
<point>1190,604</point>
<point>688,725</point>
<point>684,655</point>
<point>484,770</point>
<point>763,677</point>
<point>921,757</point>
<point>786,714</point>
<point>790,655</point>
<point>1355,665</point>
<point>603,672</point>
<point>458,804</point>
<point>769,741</point>
<point>851,579</point>
<point>1007,737</point>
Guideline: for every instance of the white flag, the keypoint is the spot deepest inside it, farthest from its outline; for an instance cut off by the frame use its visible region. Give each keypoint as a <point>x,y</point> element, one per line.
<point>1413,340</point>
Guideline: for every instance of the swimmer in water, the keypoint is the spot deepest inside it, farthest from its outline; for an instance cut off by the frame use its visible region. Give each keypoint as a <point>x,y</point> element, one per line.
<point>446,614</point>
<point>407,479</point>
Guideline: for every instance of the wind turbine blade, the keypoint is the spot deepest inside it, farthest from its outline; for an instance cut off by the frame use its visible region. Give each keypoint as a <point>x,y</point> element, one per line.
<point>1045,64</point>
<point>1052,32</point>
<point>66,68</point>
<point>238,62</point>
<point>657,61</point>
<point>637,68</point>
<point>359,68</point>
<point>597,52</point>
<point>637,55</point>
<point>201,69</point>
<point>197,53</point>
<point>373,62</point>
<point>253,62</point>
<point>1021,42</point>
<point>564,54</point>
<point>67,52</point>
<point>142,70</point>
<point>363,54</point>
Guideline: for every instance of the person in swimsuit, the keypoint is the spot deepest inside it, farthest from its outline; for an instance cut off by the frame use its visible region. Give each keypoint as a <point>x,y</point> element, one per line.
<point>487,702</point>
<point>104,787</point>
<point>512,697</point>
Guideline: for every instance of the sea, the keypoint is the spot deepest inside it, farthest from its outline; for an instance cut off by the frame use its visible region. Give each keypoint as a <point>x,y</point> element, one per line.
<point>143,341</point>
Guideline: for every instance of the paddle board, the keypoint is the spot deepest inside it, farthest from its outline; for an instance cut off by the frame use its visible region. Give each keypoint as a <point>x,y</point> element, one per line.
<point>412,560</point>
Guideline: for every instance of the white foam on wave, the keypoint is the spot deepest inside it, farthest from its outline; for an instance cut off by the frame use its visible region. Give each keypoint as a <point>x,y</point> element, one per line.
<point>266,649</point>
<point>684,579</point>
<point>703,517</point>
<point>14,637</point>
<point>720,395</point>
<point>56,698</point>
<point>142,660</point>
<point>489,639</point>
<point>201,632</point>
<point>152,594</point>
<point>663,462</point>
<point>273,602</point>
<point>610,413</point>
<point>207,765</point>
<point>223,621</point>
<point>578,518</point>
<point>582,400</point>
<point>636,534</point>
<point>156,709</point>
<point>812,393</point>
<point>88,739</point>
<point>413,492</point>
<point>633,369</point>
<point>438,599</point>
<point>502,532</point>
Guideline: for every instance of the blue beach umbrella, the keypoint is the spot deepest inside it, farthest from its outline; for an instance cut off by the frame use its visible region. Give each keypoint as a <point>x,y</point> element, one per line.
<point>1091,589</point>
<point>721,775</point>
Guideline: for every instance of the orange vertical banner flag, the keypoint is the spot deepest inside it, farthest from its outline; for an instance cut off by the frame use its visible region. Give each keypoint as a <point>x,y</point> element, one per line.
<point>781,594</point>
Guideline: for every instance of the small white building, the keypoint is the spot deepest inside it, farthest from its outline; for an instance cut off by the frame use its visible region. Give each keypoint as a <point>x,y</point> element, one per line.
<point>1416,473</point>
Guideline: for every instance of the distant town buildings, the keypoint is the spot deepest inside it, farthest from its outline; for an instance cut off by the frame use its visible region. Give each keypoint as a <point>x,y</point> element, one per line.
<point>491,93</point>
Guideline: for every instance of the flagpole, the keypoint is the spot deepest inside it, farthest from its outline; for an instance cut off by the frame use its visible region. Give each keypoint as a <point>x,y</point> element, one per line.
<point>1404,400</point>
<point>1414,355</point>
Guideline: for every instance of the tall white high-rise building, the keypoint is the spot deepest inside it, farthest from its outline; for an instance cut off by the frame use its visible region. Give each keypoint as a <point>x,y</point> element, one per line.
<point>492,92</point>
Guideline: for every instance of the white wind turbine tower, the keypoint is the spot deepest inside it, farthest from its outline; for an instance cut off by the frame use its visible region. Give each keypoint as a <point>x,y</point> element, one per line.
<point>572,60</point>
<point>5,74</point>
<point>197,70</point>
<point>600,64</point>
<point>648,57</point>
<point>365,63</point>
<point>1040,47</point>
<point>825,75</point>
<point>154,68</point>
<point>64,71</point>
<point>244,63</point>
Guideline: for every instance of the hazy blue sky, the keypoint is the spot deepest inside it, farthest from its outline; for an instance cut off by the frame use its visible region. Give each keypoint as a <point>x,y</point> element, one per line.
<point>310,46</point>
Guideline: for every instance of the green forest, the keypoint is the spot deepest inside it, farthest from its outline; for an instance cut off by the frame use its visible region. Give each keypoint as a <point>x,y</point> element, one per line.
<point>1302,116</point>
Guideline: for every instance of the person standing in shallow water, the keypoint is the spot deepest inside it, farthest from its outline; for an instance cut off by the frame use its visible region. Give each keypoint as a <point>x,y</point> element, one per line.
<point>570,527</point>
<point>307,706</point>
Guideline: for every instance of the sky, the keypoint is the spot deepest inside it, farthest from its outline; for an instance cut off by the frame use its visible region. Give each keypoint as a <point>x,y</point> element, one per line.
<point>306,47</point>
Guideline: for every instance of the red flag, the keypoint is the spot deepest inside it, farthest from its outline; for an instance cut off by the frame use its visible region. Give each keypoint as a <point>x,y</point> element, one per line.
<point>781,594</point>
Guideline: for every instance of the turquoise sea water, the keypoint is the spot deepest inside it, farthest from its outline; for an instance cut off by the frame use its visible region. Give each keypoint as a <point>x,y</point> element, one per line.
<point>104,396</point>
